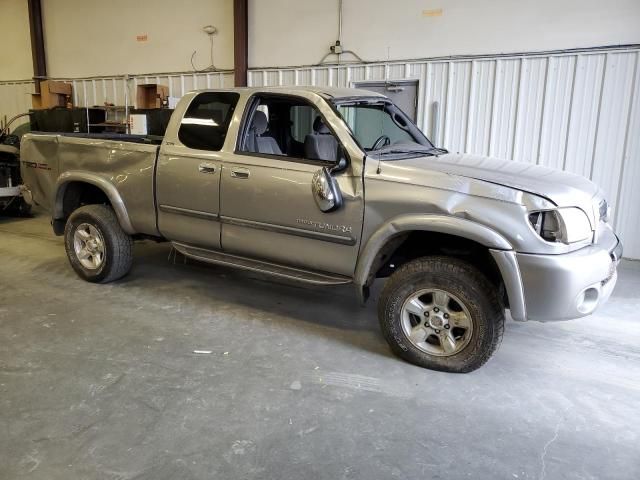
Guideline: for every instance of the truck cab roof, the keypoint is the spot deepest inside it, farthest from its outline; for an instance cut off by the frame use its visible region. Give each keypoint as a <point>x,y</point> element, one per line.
<point>336,93</point>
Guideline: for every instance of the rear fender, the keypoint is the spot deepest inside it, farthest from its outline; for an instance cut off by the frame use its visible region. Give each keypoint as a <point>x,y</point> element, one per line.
<point>100,182</point>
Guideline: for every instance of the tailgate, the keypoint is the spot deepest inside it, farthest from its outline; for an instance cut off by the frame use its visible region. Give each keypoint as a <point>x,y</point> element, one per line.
<point>39,166</point>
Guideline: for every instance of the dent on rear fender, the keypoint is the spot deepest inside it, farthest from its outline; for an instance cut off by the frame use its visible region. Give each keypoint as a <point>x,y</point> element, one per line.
<point>103,184</point>
<point>123,170</point>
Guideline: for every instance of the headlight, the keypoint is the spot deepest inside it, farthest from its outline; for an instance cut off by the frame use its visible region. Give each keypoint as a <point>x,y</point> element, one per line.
<point>566,225</point>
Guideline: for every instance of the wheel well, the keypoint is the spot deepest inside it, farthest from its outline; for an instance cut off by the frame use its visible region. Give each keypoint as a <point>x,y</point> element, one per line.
<point>408,246</point>
<point>74,196</point>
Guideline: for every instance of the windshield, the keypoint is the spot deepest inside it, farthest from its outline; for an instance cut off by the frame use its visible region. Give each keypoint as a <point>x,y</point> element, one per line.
<point>380,127</point>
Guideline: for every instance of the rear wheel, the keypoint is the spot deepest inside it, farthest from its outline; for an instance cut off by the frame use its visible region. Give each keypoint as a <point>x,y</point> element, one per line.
<point>441,313</point>
<point>98,249</point>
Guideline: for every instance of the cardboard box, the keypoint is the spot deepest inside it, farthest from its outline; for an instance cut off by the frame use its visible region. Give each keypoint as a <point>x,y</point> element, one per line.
<point>52,94</point>
<point>151,95</point>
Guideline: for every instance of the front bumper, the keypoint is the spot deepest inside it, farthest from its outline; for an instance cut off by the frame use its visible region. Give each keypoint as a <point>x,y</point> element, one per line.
<point>572,285</point>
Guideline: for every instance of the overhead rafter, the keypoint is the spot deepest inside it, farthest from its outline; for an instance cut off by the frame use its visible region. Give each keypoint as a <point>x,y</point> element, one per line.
<point>240,41</point>
<point>37,42</point>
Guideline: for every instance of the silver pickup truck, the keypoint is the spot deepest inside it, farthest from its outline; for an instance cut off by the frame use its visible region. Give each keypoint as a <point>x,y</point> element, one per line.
<point>333,186</point>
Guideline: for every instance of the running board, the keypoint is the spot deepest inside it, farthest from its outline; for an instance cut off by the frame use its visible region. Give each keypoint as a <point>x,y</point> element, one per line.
<point>244,263</point>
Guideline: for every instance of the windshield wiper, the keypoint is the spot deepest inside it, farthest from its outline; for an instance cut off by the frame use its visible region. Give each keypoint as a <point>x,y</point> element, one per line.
<point>397,151</point>
<point>419,151</point>
<point>438,151</point>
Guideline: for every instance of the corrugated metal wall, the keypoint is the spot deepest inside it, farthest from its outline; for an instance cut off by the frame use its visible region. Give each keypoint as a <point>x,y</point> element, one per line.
<point>576,111</point>
<point>15,97</point>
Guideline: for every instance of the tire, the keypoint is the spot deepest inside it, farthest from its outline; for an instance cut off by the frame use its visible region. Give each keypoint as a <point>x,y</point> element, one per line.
<point>409,310</point>
<point>95,228</point>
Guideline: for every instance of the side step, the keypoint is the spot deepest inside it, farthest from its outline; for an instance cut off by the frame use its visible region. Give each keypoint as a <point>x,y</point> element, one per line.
<point>236,261</point>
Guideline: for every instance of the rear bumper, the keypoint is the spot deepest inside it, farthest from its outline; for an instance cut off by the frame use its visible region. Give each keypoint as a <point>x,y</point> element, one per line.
<point>572,285</point>
<point>26,193</point>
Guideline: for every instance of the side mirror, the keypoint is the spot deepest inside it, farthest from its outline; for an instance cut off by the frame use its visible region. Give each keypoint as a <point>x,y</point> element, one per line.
<point>341,164</point>
<point>326,191</point>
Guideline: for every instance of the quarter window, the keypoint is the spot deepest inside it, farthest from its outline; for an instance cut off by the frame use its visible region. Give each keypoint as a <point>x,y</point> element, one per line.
<point>206,121</point>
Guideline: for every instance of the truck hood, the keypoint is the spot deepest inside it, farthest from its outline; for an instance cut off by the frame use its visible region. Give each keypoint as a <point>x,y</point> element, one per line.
<point>562,188</point>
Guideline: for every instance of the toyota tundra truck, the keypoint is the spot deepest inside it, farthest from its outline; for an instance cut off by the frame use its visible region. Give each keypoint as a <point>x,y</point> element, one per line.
<point>330,186</point>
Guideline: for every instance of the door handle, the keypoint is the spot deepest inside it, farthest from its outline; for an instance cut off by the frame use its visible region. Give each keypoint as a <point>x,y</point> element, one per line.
<point>239,173</point>
<point>207,167</point>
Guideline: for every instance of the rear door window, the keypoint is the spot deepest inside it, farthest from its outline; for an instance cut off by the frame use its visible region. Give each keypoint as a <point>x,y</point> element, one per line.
<point>206,121</point>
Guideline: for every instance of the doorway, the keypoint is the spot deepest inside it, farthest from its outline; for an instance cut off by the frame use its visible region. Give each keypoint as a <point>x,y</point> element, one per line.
<point>404,93</point>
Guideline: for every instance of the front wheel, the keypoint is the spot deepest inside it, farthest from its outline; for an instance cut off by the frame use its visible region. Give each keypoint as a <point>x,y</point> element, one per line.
<point>441,313</point>
<point>98,249</point>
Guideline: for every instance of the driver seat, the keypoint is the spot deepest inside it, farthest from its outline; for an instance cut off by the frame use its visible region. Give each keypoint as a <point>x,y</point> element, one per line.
<point>258,143</point>
<point>321,144</point>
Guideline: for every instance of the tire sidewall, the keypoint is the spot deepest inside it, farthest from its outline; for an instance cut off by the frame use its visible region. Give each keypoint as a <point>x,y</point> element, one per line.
<point>72,225</point>
<point>473,296</point>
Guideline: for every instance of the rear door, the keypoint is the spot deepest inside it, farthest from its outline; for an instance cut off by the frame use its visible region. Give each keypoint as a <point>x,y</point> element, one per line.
<point>188,171</point>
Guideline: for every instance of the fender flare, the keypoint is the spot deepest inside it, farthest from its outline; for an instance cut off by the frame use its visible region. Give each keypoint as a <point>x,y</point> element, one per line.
<point>460,227</point>
<point>100,182</point>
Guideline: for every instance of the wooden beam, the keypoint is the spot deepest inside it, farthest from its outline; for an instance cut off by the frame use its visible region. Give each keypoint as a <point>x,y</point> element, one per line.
<point>240,41</point>
<point>37,42</point>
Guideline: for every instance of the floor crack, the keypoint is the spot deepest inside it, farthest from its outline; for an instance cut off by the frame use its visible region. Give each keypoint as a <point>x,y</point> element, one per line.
<point>543,456</point>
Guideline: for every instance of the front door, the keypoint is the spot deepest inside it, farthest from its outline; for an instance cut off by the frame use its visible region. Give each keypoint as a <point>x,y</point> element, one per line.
<point>188,172</point>
<point>267,206</point>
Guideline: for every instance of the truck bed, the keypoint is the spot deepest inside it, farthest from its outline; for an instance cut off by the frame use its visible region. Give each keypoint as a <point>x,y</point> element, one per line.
<point>121,165</point>
<point>118,137</point>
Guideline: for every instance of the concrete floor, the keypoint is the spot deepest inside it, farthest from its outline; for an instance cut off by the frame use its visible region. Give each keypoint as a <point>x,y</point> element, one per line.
<point>102,382</point>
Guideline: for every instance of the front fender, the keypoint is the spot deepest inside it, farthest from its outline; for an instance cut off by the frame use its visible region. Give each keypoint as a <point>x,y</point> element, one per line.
<point>103,184</point>
<point>451,225</point>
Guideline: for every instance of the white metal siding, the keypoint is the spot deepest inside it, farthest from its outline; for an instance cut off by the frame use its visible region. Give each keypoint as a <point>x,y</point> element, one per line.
<point>576,111</point>
<point>15,97</point>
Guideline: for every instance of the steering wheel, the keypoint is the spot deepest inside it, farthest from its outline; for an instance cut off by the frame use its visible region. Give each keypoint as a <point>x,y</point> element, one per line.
<point>382,141</point>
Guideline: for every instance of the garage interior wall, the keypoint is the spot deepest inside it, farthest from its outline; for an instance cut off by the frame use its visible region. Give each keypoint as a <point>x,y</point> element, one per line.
<point>15,55</point>
<point>125,37</point>
<point>407,29</point>
<point>579,110</point>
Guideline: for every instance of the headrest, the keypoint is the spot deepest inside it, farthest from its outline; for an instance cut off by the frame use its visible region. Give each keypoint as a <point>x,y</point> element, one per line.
<point>319,126</point>
<point>260,122</point>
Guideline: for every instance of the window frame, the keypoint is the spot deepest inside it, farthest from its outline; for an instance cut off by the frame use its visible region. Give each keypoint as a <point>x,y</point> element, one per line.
<point>347,101</point>
<point>226,124</point>
<point>251,106</point>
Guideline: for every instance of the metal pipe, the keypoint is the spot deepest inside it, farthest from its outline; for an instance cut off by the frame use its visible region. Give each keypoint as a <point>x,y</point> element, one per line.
<point>340,21</point>
<point>37,42</point>
<point>7,123</point>
<point>240,41</point>
<point>435,126</point>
